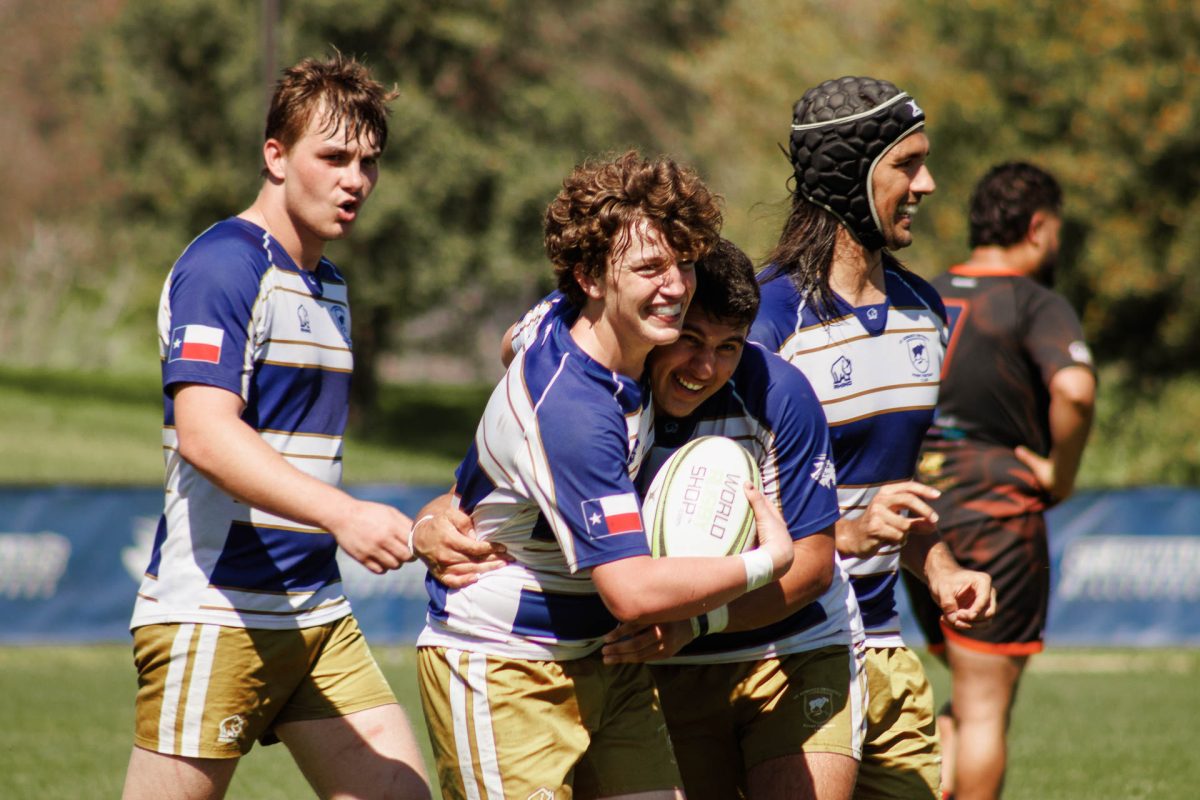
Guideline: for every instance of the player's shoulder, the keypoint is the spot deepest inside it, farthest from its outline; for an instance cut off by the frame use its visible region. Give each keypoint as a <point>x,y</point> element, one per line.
<point>778,310</point>
<point>771,388</point>
<point>908,289</point>
<point>228,249</point>
<point>561,379</point>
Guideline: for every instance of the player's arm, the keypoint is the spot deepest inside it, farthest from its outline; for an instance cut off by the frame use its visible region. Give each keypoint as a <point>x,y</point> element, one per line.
<point>444,539</point>
<point>965,596</point>
<point>644,590</point>
<point>215,440</point>
<point>896,510</point>
<point>1072,406</point>
<point>810,577</point>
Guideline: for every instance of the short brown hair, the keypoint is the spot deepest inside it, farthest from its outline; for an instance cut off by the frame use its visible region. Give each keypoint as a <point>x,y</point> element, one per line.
<point>589,220</point>
<point>349,93</point>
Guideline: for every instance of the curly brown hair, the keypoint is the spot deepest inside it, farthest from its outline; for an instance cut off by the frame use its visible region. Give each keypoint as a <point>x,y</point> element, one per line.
<point>589,221</point>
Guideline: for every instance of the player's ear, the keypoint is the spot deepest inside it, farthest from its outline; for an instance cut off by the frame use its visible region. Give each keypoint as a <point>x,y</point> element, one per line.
<point>274,159</point>
<point>1037,227</point>
<point>591,285</point>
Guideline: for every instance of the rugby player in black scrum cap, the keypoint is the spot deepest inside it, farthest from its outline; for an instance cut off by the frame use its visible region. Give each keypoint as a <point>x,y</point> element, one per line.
<point>870,337</point>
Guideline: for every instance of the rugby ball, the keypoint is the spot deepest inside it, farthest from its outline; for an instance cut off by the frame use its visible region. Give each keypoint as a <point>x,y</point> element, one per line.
<point>696,504</point>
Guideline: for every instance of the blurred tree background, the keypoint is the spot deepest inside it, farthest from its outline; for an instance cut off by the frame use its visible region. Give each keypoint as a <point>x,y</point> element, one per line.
<point>133,125</point>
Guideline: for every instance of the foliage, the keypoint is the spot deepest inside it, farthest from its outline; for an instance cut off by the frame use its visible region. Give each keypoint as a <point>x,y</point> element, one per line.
<point>1106,96</point>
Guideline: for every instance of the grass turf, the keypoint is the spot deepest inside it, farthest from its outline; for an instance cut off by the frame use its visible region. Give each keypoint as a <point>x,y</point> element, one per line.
<point>1088,724</point>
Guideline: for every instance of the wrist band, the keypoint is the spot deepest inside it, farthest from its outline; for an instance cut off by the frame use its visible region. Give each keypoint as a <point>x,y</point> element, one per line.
<point>412,531</point>
<point>759,568</point>
<point>718,619</point>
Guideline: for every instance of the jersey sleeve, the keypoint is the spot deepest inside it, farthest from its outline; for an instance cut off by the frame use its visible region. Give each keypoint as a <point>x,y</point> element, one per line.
<point>1053,336</point>
<point>206,318</point>
<point>584,488</point>
<point>807,480</point>
<point>536,320</point>
<point>777,313</point>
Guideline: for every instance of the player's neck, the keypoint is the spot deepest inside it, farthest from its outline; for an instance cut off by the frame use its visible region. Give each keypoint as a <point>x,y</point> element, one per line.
<point>270,213</point>
<point>600,342</point>
<point>857,273</point>
<point>1006,260</point>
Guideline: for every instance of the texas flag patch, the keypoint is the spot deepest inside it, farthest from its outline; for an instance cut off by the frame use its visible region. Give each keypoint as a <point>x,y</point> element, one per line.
<point>196,343</point>
<point>612,515</point>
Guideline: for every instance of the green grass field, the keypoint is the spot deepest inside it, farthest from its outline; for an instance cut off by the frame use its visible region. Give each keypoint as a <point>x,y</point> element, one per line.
<point>1088,724</point>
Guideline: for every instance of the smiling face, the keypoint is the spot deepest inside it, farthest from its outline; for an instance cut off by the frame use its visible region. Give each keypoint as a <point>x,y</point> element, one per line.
<point>686,373</point>
<point>641,300</point>
<point>898,183</point>
<point>325,179</point>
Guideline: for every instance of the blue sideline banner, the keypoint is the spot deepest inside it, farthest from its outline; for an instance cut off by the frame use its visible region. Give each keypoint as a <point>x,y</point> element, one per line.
<point>1124,570</point>
<point>1125,567</point>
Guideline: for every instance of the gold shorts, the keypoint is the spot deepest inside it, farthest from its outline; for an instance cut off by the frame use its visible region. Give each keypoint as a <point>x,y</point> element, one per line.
<point>208,691</point>
<point>726,718</point>
<point>901,757</point>
<point>510,728</point>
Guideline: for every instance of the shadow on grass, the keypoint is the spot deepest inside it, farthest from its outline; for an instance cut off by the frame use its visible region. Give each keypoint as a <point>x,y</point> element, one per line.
<point>431,418</point>
<point>82,386</point>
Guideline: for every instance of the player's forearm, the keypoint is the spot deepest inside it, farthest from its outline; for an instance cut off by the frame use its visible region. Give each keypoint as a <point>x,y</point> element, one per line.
<point>646,590</point>
<point>237,460</point>
<point>810,577</point>
<point>848,537</point>
<point>927,556</point>
<point>1072,407</point>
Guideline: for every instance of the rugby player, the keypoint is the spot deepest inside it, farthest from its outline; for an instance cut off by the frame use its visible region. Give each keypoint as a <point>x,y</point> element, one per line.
<point>517,698</point>
<point>774,706</point>
<point>1013,416</point>
<point>870,337</point>
<point>241,630</point>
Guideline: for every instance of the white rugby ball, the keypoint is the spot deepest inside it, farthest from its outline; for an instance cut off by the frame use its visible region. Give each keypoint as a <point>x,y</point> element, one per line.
<point>696,504</point>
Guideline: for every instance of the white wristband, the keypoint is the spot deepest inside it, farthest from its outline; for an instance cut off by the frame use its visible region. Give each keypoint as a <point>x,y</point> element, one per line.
<point>718,619</point>
<point>412,531</point>
<point>759,568</point>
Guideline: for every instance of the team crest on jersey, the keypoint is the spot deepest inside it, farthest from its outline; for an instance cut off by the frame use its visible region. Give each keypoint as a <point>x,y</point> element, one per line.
<point>841,371</point>
<point>229,730</point>
<point>918,354</point>
<point>343,323</point>
<point>823,471</point>
<point>819,706</point>
<point>305,325</point>
<point>872,313</point>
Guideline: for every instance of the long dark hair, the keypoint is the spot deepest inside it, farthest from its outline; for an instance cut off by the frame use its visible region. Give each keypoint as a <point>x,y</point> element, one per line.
<point>805,255</point>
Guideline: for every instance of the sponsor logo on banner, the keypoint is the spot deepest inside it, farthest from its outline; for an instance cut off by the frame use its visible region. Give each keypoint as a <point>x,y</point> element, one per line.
<point>1118,569</point>
<point>612,515</point>
<point>31,564</point>
<point>196,343</point>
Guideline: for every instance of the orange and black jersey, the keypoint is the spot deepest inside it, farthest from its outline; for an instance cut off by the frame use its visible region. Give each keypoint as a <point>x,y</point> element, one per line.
<point>1009,335</point>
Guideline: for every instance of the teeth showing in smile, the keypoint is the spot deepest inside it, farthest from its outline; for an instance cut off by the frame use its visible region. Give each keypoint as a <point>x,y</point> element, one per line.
<point>691,387</point>
<point>668,311</point>
<point>908,210</point>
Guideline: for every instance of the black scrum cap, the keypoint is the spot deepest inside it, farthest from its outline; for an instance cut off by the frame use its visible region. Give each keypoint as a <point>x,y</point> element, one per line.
<point>840,130</point>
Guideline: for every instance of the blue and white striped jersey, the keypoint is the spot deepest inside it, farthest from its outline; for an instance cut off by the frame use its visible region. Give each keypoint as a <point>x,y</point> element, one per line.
<point>769,408</point>
<point>876,370</point>
<point>550,475</point>
<point>237,313</point>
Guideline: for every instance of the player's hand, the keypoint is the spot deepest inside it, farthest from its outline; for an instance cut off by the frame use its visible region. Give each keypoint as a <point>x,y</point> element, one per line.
<point>966,597</point>
<point>446,543</point>
<point>374,534</point>
<point>1043,472</point>
<point>772,531</point>
<point>632,642</point>
<point>895,511</point>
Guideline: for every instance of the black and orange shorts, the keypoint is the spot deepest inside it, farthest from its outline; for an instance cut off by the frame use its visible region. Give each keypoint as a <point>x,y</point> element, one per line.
<point>1014,551</point>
